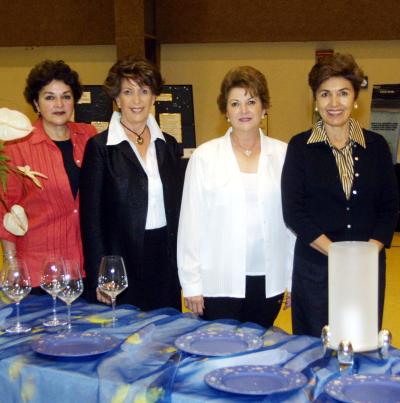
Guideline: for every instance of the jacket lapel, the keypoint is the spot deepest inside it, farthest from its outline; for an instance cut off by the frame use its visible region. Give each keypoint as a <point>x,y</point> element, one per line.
<point>163,167</point>
<point>129,154</point>
<point>160,151</point>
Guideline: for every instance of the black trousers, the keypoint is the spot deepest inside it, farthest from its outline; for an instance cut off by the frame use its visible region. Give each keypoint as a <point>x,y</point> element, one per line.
<point>253,308</point>
<point>158,287</point>
<point>310,296</point>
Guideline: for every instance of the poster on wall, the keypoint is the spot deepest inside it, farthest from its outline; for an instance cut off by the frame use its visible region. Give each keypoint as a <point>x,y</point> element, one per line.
<point>175,115</point>
<point>385,115</point>
<point>94,107</point>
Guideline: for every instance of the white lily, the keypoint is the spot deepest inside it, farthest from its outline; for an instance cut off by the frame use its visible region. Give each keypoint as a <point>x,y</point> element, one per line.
<point>13,125</point>
<point>16,221</point>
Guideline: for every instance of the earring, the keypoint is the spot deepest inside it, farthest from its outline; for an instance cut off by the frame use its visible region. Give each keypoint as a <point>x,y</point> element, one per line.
<point>227,119</point>
<point>316,108</point>
<point>355,105</point>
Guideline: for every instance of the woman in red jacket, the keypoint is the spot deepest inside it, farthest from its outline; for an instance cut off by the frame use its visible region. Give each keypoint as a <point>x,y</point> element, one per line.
<point>54,148</point>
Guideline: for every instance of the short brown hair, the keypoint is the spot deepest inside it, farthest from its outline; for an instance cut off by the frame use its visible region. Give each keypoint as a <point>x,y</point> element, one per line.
<point>137,69</point>
<point>337,65</point>
<point>246,77</point>
<point>44,73</point>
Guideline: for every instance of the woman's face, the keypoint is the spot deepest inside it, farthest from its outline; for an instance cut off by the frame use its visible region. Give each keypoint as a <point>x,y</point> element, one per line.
<point>135,103</point>
<point>335,99</point>
<point>55,103</point>
<point>243,110</point>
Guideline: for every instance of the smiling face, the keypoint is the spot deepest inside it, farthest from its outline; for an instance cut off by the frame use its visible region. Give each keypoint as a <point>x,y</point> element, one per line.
<point>244,110</point>
<point>55,103</point>
<point>135,103</point>
<point>335,99</point>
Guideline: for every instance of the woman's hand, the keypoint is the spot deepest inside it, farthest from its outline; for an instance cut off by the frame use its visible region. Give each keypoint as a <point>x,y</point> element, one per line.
<point>379,244</point>
<point>195,304</point>
<point>321,244</point>
<point>101,297</point>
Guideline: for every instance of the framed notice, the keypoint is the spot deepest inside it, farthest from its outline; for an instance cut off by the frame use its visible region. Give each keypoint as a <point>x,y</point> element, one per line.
<point>175,115</point>
<point>94,107</point>
<point>385,115</point>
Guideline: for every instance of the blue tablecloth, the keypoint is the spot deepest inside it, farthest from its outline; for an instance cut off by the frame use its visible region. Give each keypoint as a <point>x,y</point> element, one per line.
<point>147,367</point>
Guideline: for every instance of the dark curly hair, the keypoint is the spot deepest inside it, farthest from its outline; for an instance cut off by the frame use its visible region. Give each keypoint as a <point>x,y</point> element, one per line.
<point>244,77</point>
<point>337,65</point>
<point>137,69</point>
<point>45,72</point>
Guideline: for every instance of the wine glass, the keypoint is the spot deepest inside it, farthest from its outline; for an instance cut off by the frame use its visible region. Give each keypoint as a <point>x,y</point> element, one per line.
<point>53,281</point>
<point>112,278</point>
<point>16,285</point>
<point>73,287</point>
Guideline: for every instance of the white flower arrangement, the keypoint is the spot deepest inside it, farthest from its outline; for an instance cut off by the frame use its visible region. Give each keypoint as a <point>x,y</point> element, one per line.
<point>14,125</point>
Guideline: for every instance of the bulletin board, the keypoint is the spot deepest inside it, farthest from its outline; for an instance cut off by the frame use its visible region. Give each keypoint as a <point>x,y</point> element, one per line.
<point>175,115</point>
<point>385,115</point>
<point>94,107</point>
<point>173,111</point>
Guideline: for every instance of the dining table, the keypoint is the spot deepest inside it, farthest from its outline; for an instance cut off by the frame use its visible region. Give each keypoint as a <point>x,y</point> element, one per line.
<point>143,363</point>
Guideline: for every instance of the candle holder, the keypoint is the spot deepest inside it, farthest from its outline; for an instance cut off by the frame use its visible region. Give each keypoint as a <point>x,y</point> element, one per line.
<point>385,341</point>
<point>345,350</point>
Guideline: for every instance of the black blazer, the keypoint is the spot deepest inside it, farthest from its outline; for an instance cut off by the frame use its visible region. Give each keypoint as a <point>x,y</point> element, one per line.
<point>314,202</point>
<point>113,203</point>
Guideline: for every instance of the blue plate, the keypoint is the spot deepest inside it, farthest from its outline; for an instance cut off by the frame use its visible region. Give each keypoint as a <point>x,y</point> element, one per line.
<point>365,388</point>
<point>255,379</point>
<point>75,344</point>
<point>218,343</point>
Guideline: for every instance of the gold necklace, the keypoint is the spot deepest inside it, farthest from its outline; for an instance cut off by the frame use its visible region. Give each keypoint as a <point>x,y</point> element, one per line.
<point>139,138</point>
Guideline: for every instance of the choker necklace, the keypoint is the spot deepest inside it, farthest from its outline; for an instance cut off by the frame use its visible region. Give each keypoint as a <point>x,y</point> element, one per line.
<point>246,151</point>
<point>139,138</point>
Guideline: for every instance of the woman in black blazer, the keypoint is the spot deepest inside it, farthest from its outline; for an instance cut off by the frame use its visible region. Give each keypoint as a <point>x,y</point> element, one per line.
<point>338,184</point>
<point>130,191</point>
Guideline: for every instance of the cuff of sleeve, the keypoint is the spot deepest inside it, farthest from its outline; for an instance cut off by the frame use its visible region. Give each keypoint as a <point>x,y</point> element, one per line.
<point>310,235</point>
<point>383,236</point>
<point>7,236</point>
<point>192,290</point>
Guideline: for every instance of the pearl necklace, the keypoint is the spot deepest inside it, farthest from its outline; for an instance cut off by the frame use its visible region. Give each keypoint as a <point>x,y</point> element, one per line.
<point>139,138</point>
<point>246,151</point>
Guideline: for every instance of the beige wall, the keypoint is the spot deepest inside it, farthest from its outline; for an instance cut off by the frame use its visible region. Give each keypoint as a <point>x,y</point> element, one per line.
<point>91,62</point>
<point>286,66</point>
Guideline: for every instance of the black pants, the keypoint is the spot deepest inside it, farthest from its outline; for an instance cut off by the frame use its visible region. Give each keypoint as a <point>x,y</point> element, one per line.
<point>310,296</point>
<point>253,308</point>
<point>158,286</point>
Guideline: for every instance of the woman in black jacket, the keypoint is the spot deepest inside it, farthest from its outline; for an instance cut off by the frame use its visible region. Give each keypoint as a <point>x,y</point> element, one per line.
<point>338,184</point>
<point>130,192</point>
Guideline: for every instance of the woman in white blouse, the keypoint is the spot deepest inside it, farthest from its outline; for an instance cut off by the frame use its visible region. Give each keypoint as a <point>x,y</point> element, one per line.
<point>234,250</point>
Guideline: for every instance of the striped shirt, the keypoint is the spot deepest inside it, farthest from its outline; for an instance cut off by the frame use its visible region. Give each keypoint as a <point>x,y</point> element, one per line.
<point>344,156</point>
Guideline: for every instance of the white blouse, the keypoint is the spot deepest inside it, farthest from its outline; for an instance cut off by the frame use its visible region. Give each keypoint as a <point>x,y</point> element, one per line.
<point>212,239</point>
<point>116,134</point>
<point>254,229</point>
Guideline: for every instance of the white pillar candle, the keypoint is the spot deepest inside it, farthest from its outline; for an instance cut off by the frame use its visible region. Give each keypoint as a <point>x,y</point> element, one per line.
<point>353,294</point>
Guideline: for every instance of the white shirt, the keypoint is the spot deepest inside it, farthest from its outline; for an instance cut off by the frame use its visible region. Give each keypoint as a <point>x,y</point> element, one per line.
<point>254,229</point>
<point>116,134</point>
<point>212,226</point>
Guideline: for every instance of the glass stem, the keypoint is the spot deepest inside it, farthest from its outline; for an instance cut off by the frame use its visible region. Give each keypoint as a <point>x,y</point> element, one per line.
<point>54,309</point>
<point>69,316</point>
<point>18,325</point>
<point>113,309</point>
